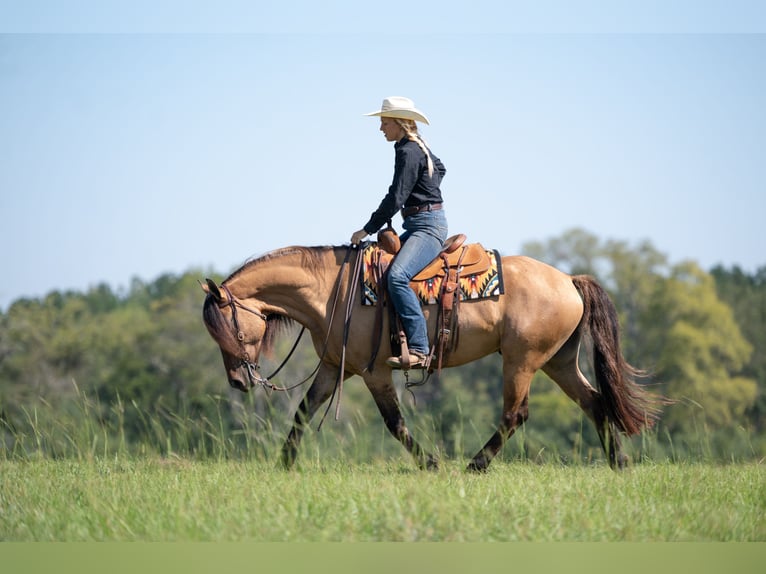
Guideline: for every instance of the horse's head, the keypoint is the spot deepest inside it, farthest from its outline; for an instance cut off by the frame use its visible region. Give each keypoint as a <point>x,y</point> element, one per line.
<point>240,331</point>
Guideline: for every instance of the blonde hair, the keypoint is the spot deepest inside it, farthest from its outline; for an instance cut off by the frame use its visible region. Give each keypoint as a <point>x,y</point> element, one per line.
<point>411,129</point>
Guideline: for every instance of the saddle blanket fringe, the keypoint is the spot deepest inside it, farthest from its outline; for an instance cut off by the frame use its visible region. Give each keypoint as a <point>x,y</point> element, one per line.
<point>477,286</point>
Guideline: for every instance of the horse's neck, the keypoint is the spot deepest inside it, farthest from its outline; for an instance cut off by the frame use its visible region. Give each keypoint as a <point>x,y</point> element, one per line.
<point>285,285</point>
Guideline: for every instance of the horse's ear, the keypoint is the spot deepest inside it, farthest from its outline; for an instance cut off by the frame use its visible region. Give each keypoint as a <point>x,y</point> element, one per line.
<point>211,288</point>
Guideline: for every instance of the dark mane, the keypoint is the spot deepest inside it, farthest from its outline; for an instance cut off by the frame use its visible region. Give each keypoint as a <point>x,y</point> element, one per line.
<point>222,329</point>
<point>275,326</point>
<point>310,258</point>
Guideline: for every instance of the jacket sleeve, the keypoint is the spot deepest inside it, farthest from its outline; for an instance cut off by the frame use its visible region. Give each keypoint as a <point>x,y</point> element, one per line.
<point>406,170</point>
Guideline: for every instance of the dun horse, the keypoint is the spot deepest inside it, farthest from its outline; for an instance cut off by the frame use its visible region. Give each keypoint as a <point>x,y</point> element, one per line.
<point>539,322</point>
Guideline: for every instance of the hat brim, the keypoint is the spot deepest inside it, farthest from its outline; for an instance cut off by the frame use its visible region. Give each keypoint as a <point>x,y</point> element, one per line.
<point>401,114</point>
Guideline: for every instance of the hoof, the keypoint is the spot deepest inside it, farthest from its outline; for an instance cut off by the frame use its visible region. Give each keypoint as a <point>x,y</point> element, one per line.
<point>623,461</point>
<point>478,465</point>
<point>429,463</point>
<point>619,462</point>
<point>287,460</point>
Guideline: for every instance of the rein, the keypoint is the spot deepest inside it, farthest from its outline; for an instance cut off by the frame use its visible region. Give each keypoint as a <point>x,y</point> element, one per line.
<point>252,366</point>
<point>353,283</point>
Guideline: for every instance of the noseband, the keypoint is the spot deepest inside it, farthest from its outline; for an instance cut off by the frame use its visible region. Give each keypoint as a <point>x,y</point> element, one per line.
<point>244,359</point>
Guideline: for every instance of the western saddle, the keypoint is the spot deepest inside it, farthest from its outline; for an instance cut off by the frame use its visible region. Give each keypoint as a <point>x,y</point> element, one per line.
<point>455,258</point>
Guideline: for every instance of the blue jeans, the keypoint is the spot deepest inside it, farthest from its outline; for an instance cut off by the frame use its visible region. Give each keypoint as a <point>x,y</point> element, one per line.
<point>422,241</point>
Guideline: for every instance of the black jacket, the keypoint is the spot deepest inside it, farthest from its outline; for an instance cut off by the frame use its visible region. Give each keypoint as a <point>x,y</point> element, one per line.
<point>412,185</point>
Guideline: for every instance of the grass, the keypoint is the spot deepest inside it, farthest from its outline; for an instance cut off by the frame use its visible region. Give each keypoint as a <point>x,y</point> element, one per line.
<point>177,499</point>
<point>73,475</point>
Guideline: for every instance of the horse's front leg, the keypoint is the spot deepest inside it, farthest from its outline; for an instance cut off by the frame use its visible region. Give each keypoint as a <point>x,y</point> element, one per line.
<point>319,392</point>
<point>383,391</point>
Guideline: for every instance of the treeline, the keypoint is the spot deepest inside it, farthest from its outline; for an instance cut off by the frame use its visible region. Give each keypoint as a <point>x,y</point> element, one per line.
<point>136,371</point>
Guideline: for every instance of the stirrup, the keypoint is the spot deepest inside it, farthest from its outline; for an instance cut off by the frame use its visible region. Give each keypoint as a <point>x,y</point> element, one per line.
<point>416,361</point>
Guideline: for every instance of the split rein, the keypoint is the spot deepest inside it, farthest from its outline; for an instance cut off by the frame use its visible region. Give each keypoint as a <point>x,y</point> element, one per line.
<point>252,366</point>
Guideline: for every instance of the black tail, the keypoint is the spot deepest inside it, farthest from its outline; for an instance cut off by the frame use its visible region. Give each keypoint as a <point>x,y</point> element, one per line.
<point>625,403</point>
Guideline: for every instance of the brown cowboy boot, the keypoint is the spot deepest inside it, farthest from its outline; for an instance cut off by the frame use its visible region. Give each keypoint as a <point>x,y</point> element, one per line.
<point>408,360</point>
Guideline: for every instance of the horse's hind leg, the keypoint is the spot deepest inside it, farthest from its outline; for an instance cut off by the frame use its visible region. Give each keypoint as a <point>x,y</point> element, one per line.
<point>515,412</point>
<point>563,368</point>
<point>384,393</point>
<point>320,390</point>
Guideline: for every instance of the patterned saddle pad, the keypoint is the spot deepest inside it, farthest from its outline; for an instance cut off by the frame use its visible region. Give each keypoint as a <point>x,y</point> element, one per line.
<point>487,281</point>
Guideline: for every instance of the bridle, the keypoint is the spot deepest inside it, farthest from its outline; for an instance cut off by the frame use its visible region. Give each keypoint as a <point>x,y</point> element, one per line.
<point>244,358</point>
<point>252,365</point>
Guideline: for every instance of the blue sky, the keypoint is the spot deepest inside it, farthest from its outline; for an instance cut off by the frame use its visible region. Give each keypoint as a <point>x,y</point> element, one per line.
<point>133,154</point>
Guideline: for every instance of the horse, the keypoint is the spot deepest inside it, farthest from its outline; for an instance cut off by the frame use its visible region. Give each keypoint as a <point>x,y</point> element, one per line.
<point>538,323</point>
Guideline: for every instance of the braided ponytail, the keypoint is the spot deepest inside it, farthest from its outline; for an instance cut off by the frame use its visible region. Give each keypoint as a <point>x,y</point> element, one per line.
<point>411,129</point>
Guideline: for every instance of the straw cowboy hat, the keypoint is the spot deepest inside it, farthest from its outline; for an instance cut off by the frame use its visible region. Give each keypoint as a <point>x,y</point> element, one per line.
<point>399,107</point>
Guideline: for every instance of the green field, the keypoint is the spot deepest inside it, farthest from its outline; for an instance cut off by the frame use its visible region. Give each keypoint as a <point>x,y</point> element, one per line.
<point>177,499</point>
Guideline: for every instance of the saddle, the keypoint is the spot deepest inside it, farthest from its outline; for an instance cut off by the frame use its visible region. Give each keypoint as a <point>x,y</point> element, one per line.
<point>456,258</point>
<point>472,259</point>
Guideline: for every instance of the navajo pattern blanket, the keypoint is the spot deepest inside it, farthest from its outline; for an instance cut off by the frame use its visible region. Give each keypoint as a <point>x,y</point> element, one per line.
<point>482,285</point>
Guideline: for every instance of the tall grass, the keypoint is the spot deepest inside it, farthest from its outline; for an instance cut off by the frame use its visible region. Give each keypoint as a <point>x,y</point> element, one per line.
<point>85,429</point>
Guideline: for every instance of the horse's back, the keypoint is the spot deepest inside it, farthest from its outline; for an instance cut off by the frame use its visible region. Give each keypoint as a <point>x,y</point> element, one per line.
<point>523,272</point>
<point>540,297</point>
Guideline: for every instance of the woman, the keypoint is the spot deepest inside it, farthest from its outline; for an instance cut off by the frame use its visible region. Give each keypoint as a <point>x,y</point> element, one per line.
<point>415,191</point>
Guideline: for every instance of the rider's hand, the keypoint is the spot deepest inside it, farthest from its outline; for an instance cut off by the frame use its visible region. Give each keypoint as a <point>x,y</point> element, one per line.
<point>357,237</point>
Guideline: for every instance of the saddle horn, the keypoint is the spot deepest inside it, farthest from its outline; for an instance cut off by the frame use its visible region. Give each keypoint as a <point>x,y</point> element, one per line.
<point>388,239</point>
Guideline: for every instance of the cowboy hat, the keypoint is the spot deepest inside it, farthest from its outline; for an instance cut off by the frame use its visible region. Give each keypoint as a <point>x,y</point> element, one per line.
<point>400,107</point>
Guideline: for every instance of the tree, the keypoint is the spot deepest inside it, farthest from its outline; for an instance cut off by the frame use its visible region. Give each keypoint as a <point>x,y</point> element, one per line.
<point>699,351</point>
<point>746,295</point>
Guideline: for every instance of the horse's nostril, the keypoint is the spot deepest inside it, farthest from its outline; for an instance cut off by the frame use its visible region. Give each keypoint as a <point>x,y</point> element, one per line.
<point>239,385</point>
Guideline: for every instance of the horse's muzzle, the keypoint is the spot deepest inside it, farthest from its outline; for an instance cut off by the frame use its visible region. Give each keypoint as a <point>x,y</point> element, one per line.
<point>240,384</point>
